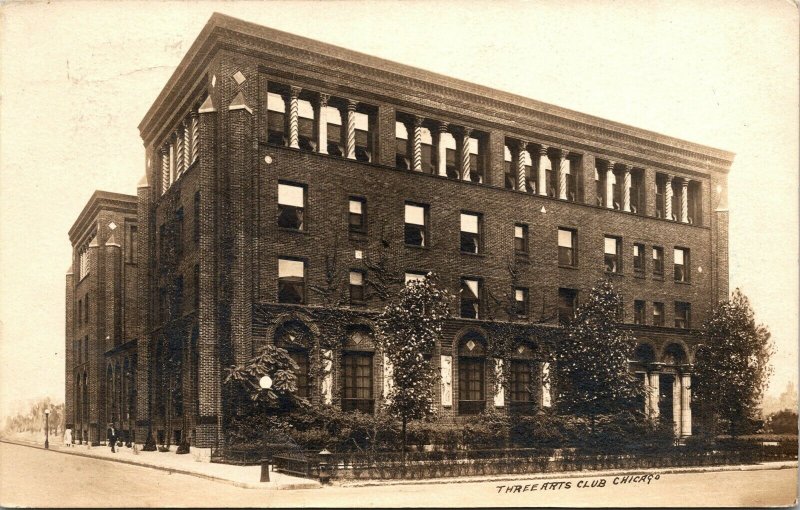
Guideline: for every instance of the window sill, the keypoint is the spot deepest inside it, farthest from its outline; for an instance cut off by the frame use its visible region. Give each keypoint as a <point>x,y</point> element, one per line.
<point>293,231</point>
<point>658,278</point>
<point>357,236</point>
<point>567,267</point>
<point>470,254</point>
<point>638,275</point>
<point>417,247</point>
<point>614,274</point>
<point>682,283</point>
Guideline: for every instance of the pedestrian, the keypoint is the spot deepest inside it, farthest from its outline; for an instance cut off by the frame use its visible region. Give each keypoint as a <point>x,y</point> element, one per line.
<point>68,437</point>
<point>112,437</point>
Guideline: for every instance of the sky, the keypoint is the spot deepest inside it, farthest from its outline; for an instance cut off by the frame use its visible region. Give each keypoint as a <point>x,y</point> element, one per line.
<point>77,78</point>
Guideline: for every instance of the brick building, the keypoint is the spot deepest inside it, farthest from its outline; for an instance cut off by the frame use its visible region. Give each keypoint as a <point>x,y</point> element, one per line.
<point>102,322</point>
<point>289,182</point>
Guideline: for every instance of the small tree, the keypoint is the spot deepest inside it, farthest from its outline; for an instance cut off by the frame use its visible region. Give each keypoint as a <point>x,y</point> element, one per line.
<point>408,329</point>
<point>272,361</point>
<point>591,375</point>
<point>732,368</point>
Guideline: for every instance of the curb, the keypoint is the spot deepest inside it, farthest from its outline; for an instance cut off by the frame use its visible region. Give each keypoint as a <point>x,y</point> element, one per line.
<point>244,485</point>
<point>572,474</point>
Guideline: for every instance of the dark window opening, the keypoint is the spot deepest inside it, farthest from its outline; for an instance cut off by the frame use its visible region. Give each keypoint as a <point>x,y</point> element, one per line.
<point>470,233</point>
<point>658,261</point>
<point>566,247</point>
<point>658,314</point>
<point>521,239</point>
<point>612,251</point>
<point>638,312</point>
<point>638,259</point>
<point>291,281</point>
<point>291,206</point>
<point>416,232</point>
<point>357,211</point>
<point>356,287</point>
<point>567,305</point>
<point>470,294</point>
<point>682,315</point>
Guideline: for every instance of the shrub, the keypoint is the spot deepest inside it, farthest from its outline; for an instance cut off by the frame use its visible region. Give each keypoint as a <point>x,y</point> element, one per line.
<point>543,429</point>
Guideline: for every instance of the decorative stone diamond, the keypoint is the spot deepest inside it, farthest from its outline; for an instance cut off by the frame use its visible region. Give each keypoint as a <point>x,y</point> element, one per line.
<point>470,345</point>
<point>359,254</point>
<point>356,338</point>
<point>214,81</point>
<point>239,77</point>
<point>112,225</point>
<point>521,349</point>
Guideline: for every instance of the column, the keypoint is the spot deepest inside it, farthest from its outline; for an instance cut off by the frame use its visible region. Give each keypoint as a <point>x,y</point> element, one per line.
<point>195,119</point>
<point>668,198</point>
<point>416,145</point>
<point>327,376</point>
<point>180,152</point>
<point>173,167</point>
<point>446,370</point>
<point>294,138</point>
<point>646,386</point>
<point>610,185</point>
<point>465,170</point>
<point>542,177</point>
<point>626,188</point>
<point>522,180</point>
<point>546,397</point>
<point>164,168</point>
<point>322,124</point>
<point>563,171</point>
<point>350,142</point>
<point>655,387</point>
<point>676,404</point>
<point>441,150</point>
<point>187,144</point>
<point>686,403</point>
<point>684,200</point>
<point>499,389</point>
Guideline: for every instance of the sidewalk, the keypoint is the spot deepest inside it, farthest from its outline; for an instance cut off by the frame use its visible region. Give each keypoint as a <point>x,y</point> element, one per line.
<point>189,464</point>
<point>571,474</point>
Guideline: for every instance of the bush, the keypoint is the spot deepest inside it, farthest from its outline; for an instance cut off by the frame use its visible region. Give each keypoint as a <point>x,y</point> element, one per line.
<point>544,429</point>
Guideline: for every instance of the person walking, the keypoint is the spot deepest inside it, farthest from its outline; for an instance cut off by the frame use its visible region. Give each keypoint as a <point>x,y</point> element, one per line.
<point>112,437</point>
<point>68,437</point>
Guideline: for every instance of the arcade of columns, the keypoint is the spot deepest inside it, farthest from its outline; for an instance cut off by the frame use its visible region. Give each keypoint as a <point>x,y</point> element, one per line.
<point>681,396</point>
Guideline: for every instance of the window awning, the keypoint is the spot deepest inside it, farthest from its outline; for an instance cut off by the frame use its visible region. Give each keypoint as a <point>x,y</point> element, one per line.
<point>519,232</point>
<point>565,238</point>
<point>469,223</point>
<point>290,195</point>
<point>611,246</point>
<point>678,256</point>
<point>356,278</point>
<point>288,268</point>
<point>355,206</point>
<point>415,215</point>
<point>471,286</point>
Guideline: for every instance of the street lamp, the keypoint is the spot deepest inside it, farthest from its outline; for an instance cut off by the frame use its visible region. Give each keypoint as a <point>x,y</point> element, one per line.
<point>266,383</point>
<point>47,429</point>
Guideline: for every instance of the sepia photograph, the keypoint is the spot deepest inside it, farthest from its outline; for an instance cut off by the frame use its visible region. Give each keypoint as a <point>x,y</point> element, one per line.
<point>373,253</point>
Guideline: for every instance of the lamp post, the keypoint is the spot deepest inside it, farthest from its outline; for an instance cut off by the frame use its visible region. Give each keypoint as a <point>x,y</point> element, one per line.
<point>47,429</point>
<point>266,383</point>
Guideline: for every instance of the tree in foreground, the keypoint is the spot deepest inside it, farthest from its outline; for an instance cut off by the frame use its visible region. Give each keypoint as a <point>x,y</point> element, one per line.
<point>732,367</point>
<point>591,375</point>
<point>408,331</point>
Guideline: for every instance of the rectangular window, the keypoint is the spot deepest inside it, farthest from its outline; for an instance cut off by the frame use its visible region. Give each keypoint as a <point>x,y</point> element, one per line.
<point>638,259</point>
<point>681,262</point>
<point>682,314</point>
<point>416,231</point>
<point>197,218</point>
<point>636,191</point>
<point>86,348</point>
<point>412,277</point>
<point>356,287</point>
<point>612,249</point>
<point>402,159</point>
<point>291,281</point>
<point>305,125</point>
<point>695,203</point>
<point>521,302</point>
<point>132,244</point>
<point>163,245</point>
<point>357,214</point>
<point>470,385</point>
<point>470,233</point>
<point>661,187</point>
<point>357,382</point>
<point>567,305</point>
<point>658,314</point>
<point>521,239</point>
<point>566,247</point>
<point>600,186</point>
<point>521,381</point>
<point>276,119</point>
<point>86,309</point>
<point>179,232</point>
<point>80,312</point>
<point>363,137</point>
<point>658,261</point>
<point>638,312</point>
<point>196,285</point>
<point>291,206</point>
<point>510,178</point>
<point>470,293</point>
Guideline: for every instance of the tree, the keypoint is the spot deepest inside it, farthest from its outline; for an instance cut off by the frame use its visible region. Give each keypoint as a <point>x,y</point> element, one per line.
<point>408,330</point>
<point>591,374</point>
<point>271,361</point>
<point>732,367</point>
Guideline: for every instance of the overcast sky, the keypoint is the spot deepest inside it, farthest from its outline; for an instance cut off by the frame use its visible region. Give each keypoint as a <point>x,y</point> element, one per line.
<point>77,78</point>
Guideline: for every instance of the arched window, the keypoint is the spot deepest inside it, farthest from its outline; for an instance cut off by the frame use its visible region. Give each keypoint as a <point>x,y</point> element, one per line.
<point>296,339</point>
<point>471,374</point>
<point>357,371</point>
<point>674,355</point>
<point>524,377</point>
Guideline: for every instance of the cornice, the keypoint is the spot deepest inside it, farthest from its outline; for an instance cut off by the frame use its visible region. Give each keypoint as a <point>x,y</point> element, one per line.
<point>400,84</point>
<point>101,201</point>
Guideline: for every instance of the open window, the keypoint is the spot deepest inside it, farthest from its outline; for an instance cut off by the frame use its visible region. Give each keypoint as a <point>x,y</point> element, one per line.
<point>291,281</point>
<point>470,298</point>
<point>291,206</point>
<point>638,259</point>
<point>681,262</point>
<point>416,229</point>
<point>357,214</point>
<point>470,233</point>
<point>612,258</point>
<point>276,119</point>
<point>566,247</point>
<point>567,304</point>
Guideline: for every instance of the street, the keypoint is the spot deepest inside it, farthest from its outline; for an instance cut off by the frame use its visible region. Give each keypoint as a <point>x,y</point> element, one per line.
<point>36,477</point>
